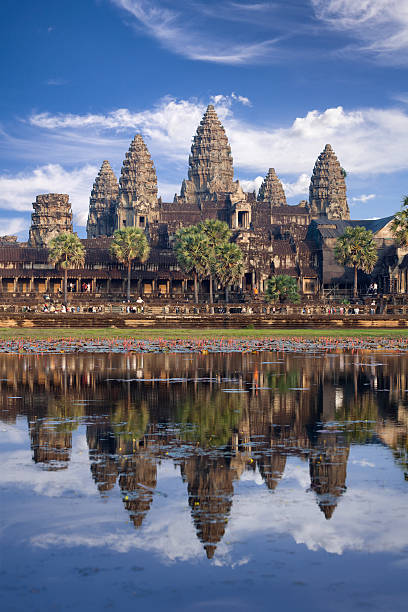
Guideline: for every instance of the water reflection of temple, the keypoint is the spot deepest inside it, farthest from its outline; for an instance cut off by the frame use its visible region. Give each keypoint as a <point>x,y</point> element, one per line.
<point>214,416</point>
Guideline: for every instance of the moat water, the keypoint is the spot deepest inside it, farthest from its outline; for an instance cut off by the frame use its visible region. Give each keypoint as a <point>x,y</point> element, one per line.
<point>232,481</point>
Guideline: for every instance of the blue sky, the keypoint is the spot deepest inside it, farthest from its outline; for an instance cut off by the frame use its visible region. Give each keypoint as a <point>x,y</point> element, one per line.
<point>81,77</point>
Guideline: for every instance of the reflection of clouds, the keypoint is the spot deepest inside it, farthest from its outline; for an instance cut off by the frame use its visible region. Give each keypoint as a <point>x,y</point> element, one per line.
<point>168,530</point>
<point>363,463</point>
<point>19,469</point>
<point>357,524</point>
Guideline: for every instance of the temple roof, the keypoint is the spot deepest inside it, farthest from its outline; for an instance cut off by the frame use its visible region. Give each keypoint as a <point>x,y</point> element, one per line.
<point>271,190</point>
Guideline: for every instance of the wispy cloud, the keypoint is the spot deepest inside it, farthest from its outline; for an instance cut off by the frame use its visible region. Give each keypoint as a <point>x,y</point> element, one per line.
<point>17,192</point>
<point>363,198</point>
<point>380,26</point>
<point>356,135</point>
<point>182,32</point>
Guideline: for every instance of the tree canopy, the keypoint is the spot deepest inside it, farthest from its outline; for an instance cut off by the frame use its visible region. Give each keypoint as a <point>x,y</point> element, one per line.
<point>282,288</point>
<point>129,244</point>
<point>399,225</point>
<point>67,252</point>
<point>206,251</point>
<point>356,248</point>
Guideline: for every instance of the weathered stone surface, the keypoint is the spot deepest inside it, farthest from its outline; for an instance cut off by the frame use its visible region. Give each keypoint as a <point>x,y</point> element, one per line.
<point>271,190</point>
<point>327,192</point>
<point>104,194</point>
<point>211,166</point>
<point>52,215</point>
<point>137,204</point>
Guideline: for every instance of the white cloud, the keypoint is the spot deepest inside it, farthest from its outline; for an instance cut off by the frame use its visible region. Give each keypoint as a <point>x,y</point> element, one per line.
<point>299,187</point>
<point>11,226</point>
<point>380,26</point>
<point>363,198</point>
<point>184,33</point>
<point>18,192</point>
<point>227,100</point>
<point>356,135</point>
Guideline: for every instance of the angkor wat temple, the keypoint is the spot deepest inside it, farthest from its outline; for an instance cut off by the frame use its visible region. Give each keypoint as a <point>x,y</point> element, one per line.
<point>275,238</point>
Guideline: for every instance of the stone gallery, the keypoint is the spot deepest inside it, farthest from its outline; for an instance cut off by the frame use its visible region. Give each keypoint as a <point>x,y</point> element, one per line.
<point>274,237</point>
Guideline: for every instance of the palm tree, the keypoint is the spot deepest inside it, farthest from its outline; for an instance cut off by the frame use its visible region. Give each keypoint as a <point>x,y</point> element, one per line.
<point>356,248</point>
<point>282,287</point>
<point>228,265</point>
<point>217,234</point>
<point>191,252</point>
<point>399,225</point>
<point>129,244</point>
<point>66,251</point>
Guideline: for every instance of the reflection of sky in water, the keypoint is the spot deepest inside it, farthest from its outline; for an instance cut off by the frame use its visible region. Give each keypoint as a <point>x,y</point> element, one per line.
<point>69,547</point>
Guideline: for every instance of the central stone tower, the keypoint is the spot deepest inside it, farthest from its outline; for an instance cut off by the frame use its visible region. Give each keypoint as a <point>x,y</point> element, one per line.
<point>211,169</point>
<point>137,205</point>
<point>327,192</point>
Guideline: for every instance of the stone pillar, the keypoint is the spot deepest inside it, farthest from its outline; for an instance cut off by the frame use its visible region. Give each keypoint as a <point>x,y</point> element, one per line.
<point>108,286</point>
<point>1,284</point>
<point>47,284</point>
<point>31,284</point>
<point>15,284</point>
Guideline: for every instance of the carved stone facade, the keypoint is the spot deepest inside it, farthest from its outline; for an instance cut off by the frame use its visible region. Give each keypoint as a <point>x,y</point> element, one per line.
<point>52,215</point>
<point>104,194</point>
<point>211,170</point>
<point>137,204</point>
<point>327,192</point>
<point>271,190</point>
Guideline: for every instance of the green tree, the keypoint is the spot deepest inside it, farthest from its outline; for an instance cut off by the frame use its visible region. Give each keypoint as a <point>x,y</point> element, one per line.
<point>191,252</point>
<point>356,248</point>
<point>217,234</point>
<point>228,265</point>
<point>129,244</point>
<point>399,225</point>
<point>67,252</point>
<point>283,288</point>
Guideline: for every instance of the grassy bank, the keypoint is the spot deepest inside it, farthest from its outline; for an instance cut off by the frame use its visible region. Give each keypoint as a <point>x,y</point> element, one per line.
<point>107,332</point>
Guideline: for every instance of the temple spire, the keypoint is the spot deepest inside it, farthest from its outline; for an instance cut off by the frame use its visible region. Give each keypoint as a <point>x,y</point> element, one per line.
<point>104,194</point>
<point>327,192</point>
<point>271,190</point>
<point>210,163</point>
<point>137,203</point>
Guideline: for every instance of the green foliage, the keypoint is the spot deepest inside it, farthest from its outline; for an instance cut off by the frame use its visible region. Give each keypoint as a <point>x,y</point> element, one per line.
<point>209,420</point>
<point>128,244</point>
<point>344,173</point>
<point>205,250</point>
<point>356,248</point>
<point>282,288</point>
<point>191,252</point>
<point>228,266</point>
<point>399,225</point>
<point>66,251</point>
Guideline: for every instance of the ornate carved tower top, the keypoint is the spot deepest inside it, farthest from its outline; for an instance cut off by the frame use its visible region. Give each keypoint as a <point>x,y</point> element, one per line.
<point>327,192</point>
<point>52,215</point>
<point>138,187</point>
<point>211,166</point>
<point>271,190</point>
<point>104,194</point>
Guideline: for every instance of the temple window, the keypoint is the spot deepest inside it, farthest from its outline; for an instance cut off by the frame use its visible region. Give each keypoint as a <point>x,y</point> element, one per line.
<point>243,218</point>
<point>141,221</point>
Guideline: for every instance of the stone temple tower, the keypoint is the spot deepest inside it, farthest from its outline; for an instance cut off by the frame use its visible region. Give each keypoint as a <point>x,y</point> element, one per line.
<point>137,205</point>
<point>105,192</point>
<point>271,190</point>
<point>327,192</point>
<point>52,215</point>
<point>210,163</point>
